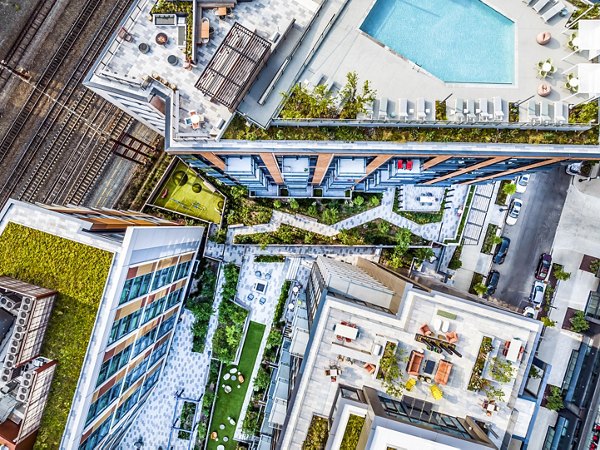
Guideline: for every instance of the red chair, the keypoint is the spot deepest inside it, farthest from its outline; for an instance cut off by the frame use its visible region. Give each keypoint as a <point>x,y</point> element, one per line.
<point>400,163</point>
<point>409,164</point>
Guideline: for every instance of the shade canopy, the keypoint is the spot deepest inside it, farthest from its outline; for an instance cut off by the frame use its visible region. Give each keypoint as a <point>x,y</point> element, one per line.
<point>589,37</point>
<point>589,79</point>
<point>345,331</point>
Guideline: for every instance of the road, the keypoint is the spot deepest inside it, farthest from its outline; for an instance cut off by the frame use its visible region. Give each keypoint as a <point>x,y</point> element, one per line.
<point>532,235</point>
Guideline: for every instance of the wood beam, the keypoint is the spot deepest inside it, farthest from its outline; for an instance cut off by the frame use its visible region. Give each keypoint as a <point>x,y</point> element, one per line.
<point>516,170</point>
<point>272,166</point>
<point>214,160</point>
<point>376,164</point>
<point>434,161</point>
<point>323,163</point>
<point>487,162</point>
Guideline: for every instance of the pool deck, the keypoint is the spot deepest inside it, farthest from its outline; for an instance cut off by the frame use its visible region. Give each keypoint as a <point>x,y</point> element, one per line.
<point>347,49</point>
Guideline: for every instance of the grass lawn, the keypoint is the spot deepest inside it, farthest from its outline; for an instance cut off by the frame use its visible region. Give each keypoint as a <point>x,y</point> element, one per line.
<point>171,195</point>
<point>230,405</point>
<point>78,272</point>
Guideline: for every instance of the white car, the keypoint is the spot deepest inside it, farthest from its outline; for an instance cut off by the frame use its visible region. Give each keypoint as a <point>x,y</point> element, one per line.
<point>522,183</point>
<point>537,293</point>
<point>574,168</point>
<point>513,211</point>
<point>530,312</point>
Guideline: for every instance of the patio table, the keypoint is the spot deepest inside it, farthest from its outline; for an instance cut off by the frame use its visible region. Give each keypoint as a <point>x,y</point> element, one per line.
<point>429,366</point>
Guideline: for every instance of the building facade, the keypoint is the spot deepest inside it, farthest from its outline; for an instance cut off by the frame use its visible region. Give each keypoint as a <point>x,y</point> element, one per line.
<point>143,292</point>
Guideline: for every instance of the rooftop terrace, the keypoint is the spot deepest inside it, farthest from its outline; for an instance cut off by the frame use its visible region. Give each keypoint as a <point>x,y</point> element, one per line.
<point>470,321</point>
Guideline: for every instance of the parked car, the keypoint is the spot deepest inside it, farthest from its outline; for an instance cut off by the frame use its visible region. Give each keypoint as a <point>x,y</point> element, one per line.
<point>522,183</point>
<point>543,266</point>
<point>492,281</point>
<point>574,168</point>
<point>537,293</point>
<point>513,211</point>
<point>530,312</point>
<point>501,250</point>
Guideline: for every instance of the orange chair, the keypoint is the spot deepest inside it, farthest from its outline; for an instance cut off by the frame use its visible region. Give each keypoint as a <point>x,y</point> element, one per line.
<point>452,337</point>
<point>424,330</point>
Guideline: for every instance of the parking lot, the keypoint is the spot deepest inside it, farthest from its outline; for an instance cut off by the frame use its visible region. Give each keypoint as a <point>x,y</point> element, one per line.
<point>532,235</point>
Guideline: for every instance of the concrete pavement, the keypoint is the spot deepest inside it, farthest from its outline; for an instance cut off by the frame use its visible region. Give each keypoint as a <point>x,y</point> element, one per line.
<point>532,235</point>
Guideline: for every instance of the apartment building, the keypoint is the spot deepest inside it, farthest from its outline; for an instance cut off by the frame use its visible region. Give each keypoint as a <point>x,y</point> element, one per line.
<point>144,266</point>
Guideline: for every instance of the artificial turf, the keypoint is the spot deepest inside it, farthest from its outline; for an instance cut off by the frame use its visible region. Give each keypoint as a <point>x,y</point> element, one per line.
<point>230,405</point>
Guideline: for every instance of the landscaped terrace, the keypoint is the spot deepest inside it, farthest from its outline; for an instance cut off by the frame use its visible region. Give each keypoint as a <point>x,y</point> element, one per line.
<point>78,272</point>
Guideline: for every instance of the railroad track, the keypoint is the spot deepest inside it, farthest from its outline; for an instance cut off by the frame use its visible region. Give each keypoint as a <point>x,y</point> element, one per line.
<point>26,36</point>
<point>56,131</point>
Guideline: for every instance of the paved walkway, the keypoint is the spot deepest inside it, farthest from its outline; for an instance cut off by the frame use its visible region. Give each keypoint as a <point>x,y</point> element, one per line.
<point>438,231</point>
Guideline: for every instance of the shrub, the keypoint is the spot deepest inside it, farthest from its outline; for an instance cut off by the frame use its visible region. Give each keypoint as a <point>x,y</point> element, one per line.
<point>495,394</point>
<point>374,201</point>
<point>390,368</point>
<point>559,272</point>
<point>509,189</point>
<point>262,380</point>
<point>547,322</point>
<point>554,399</point>
<point>490,239</point>
<point>595,266</point>
<point>294,204</point>
<point>352,433</point>
<point>480,288</point>
<point>455,263</point>
<point>579,323</point>
<point>359,201</point>
<point>317,434</point>
<point>250,423</point>
<point>502,370</point>
<point>287,284</point>
<point>180,178</point>
<point>277,204</point>
<point>477,383</point>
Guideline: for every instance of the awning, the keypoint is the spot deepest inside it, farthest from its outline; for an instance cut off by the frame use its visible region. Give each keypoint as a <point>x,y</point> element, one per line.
<point>525,410</point>
<point>514,348</point>
<point>299,342</point>
<point>588,37</point>
<point>589,79</point>
<point>345,331</point>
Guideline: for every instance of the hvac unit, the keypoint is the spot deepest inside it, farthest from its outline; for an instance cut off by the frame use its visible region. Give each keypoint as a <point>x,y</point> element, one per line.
<point>10,304</point>
<point>19,328</point>
<point>26,383</point>
<point>25,307</point>
<point>28,375</point>
<point>18,336</point>
<point>22,397</point>
<point>27,301</point>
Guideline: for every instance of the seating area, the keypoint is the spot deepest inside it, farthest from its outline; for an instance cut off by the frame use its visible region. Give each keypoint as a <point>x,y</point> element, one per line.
<point>478,110</point>
<point>545,112</point>
<point>547,9</point>
<point>404,110</point>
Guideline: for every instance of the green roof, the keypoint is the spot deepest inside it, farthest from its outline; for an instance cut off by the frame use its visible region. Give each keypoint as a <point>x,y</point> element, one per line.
<point>78,272</point>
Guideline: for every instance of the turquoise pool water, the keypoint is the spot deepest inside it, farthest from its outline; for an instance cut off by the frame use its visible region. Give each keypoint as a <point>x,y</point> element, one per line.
<point>458,41</point>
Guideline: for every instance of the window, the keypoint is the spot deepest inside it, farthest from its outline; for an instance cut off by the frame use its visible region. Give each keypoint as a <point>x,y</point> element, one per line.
<point>129,403</point>
<point>111,366</point>
<point>183,270</point>
<point>174,298</point>
<point>136,373</point>
<point>154,309</point>
<point>150,381</point>
<point>96,437</point>
<point>592,309</point>
<point>163,277</point>
<point>135,287</point>
<point>570,369</point>
<point>143,342</point>
<point>158,353</point>
<point>124,325</point>
<point>167,326</point>
<point>103,402</point>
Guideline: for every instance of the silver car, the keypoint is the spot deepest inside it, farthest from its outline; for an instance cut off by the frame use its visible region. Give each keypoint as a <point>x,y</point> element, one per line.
<point>513,211</point>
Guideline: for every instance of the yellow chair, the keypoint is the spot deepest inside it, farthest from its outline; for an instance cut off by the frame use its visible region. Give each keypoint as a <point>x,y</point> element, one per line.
<point>436,392</point>
<point>410,384</point>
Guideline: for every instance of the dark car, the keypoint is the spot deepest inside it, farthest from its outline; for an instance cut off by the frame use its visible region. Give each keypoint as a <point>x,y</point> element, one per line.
<point>492,281</point>
<point>543,267</point>
<point>501,250</point>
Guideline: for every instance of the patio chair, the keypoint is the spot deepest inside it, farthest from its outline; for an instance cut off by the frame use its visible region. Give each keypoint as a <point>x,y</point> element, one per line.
<point>452,337</point>
<point>532,115</point>
<point>483,109</point>
<point>410,384</point>
<point>383,106</point>
<point>558,7</point>
<point>421,111</point>
<point>314,80</point>
<point>443,372</point>
<point>539,5</point>
<point>544,114</point>
<point>403,109</point>
<point>471,110</point>
<point>459,110</point>
<point>414,363</point>
<point>498,105</point>
<point>425,330</point>
<point>436,392</point>
<point>561,113</point>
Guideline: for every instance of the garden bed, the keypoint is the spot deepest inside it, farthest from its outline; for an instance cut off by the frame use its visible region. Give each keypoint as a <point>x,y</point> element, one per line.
<point>477,279</point>
<point>354,427</point>
<point>317,434</point>
<point>78,272</point>
<point>201,304</point>
<point>230,404</point>
<point>269,258</point>
<point>502,196</point>
<point>207,401</point>
<point>423,218</point>
<point>185,192</point>
<point>489,242</point>
<point>476,383</point>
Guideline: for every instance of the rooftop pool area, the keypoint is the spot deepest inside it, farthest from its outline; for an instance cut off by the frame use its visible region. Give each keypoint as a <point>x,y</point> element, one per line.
<point>457,41</point>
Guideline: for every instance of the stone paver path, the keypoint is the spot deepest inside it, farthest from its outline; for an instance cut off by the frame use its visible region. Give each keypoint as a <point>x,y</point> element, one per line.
<point>438,231</point>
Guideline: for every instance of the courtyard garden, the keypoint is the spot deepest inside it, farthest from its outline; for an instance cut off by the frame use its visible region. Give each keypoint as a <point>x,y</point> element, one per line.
<point>78,272</point>
<point>231,392</point>
<point>185,192</point>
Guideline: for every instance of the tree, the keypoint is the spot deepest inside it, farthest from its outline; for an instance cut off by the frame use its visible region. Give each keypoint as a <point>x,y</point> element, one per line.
<point>595,266</point>
<point>301,103</point>
<point>277,204</point>
<point>359,201</point>
<point>509,188</point>
<point>502,370</point>
<point>554,399</point>
<point>548,322</point>
<point>495,394</point>
<point>496,240</point>
<point>480,288</point>
<point>294,204</point>
<point>383,226</point>
<point>262,380</point>
<point>353,101</point>
<point>579,323</point>
<point>422,254</point>
<point>560,273</point>
<point>274,338</point>
<point>374,201</point>
<point>312,210</point>
<point>250,423</point>
<point>534,373</point>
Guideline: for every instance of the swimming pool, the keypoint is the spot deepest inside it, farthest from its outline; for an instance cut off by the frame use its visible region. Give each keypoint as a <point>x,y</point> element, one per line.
<point>458,41</point>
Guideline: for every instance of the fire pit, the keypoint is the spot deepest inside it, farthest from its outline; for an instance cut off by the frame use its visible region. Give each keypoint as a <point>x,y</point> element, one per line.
<point>162,39</point>
<point>144,48</point>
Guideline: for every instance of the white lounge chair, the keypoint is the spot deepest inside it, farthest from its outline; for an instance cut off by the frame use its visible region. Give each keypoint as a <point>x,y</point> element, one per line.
<point>561,113</point>
<point>459,110</point>
<point>329,84</point>
<point>483,109</point>
<point>544,114</point>
<point>471,111</point>
<point>383,106</point>
<point>540,4</point>
<point>421,112</point>
<point>403,109</point>
<point>368,114</point>
<point>314,80</point>
<point>528,2</point>
<point>498,105</point>
<point>532,115</point>
<point>557,8</point>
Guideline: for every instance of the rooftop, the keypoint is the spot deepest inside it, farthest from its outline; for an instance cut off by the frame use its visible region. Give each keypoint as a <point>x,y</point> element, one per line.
<point>472,322</point>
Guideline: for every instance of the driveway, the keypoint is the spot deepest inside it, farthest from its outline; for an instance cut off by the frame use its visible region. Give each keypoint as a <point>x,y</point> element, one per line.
<point>532,235</point>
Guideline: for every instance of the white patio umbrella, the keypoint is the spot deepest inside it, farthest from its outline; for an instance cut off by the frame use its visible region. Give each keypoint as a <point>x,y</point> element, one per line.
<point>588,37</point>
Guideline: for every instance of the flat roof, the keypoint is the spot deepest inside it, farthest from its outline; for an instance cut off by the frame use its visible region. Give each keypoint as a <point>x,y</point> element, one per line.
<point>473,322</point>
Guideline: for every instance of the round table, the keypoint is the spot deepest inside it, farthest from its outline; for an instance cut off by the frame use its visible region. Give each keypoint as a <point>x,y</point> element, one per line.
<point>543,38</point>
<point>544,90</point>
<point>162,38</point>
<point>195,119</point>
<point>575,42</point>
<point>226,377</point>
<point>144,48</point>
<point>220,447</point>
<point>173,60</point>
<point>574,82</point>
<point>222,426</point>
<point>546,66</point>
